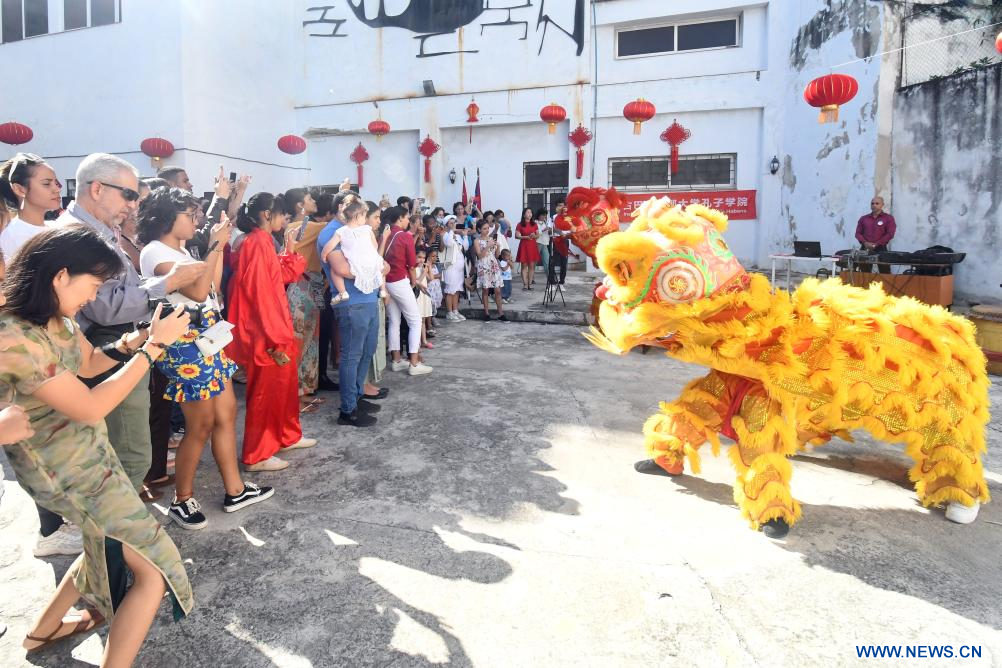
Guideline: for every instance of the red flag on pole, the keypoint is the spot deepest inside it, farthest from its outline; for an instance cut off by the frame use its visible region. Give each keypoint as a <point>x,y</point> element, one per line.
<point>466,198</point>
<point>476,193</point>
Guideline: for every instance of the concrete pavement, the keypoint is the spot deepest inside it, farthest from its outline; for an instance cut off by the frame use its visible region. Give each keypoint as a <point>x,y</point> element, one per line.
<point>493,518</point>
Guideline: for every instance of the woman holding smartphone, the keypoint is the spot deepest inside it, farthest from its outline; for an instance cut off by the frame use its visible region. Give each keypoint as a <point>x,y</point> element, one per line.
<point>198,382</point>
<point>67,464</point>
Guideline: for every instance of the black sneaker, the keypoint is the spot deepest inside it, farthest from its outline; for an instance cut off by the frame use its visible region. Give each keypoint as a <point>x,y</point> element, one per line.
<point>368,407</point>
<point>503,318</point>
<point>187,514</point>
<point>356,419</point>
<point>252,494</point>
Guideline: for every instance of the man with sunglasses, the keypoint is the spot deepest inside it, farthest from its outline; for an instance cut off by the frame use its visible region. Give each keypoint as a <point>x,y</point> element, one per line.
<point>107,194</point>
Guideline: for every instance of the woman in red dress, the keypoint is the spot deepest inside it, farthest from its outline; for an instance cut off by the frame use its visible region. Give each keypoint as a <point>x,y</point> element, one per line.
<point>263,339</point>
<point>528,252</point>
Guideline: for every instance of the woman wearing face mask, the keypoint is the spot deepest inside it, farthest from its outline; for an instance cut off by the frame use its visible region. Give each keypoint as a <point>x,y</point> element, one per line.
<point>199,383</point>
<point>29,186</point>
<point>264,342</point>
<point>68,465</point>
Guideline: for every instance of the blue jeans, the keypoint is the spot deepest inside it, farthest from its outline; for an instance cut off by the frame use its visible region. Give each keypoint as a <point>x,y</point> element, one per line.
<point>358,325</point>
<point>506,290</point>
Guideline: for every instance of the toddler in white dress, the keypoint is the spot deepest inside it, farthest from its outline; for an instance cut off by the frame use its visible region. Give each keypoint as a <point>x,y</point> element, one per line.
<point>358,243</point>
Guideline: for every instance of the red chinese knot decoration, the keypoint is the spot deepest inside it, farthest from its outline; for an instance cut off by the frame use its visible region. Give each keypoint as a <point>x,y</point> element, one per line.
<point>552,114</point>
<point>428,148</point>
<point>291,144</point>
<point>379,127</point>
<point>580,137</point>
<point>15,133</point>
<point>673,136</point>
<point>638,112</point>
<point>828,92</point>
<point>358,156</point>
<point>472,109</point>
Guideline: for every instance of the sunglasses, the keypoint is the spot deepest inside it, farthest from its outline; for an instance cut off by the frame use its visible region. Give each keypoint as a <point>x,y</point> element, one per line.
<point>22,159</point>
<point>128,194</point>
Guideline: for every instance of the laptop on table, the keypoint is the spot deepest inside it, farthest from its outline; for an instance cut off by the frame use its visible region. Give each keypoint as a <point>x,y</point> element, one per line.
<point>807,248</point>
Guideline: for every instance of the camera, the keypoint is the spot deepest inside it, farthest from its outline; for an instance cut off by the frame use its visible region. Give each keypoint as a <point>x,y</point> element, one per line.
<point>194,312</point>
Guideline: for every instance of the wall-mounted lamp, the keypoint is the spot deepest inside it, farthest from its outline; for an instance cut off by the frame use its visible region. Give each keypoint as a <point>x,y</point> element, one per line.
<point>429,87</point>
<point>774,165</point>
<point>452,175</point>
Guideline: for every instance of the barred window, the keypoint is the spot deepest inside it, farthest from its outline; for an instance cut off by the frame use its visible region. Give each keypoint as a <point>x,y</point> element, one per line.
<point>715,171</point>
<point>676,37</point>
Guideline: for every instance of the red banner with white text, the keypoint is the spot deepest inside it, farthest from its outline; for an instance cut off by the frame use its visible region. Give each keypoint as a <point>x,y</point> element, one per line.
<point>737,204</point>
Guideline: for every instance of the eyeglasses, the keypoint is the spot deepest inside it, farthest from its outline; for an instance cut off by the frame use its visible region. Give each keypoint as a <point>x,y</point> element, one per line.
<point>190,214</point>
<point>128,194</point>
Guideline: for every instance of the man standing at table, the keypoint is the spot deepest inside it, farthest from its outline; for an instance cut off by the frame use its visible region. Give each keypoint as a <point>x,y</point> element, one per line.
<point>874,231</point>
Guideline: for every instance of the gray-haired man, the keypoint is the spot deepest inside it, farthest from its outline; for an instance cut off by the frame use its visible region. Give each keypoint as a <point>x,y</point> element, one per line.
<point>107,193</point>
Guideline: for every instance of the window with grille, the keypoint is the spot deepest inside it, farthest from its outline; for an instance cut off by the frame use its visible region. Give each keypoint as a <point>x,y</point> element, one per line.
<point>20,19</point>
<point>677,37</point>
<point>545,184</point>
<point>715,171</point>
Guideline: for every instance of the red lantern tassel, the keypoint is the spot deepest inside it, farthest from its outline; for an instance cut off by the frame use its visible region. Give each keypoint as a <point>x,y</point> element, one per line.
<point>674,159</point>
<point>359,176</point>
<point>427,170</point>
<point>580,162</point>
<point>471,134</point>
<point>636,127</point>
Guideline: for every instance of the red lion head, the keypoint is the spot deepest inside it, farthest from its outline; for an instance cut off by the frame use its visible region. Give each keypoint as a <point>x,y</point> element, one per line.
<point>591,214</point>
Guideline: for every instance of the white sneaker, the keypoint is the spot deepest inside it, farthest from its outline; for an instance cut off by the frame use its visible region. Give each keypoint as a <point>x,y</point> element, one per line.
<point>459,316</point>
<point>400,365</point>
<point>451,316</point>
<point>419,369</point>
<point>961,514</point>
<point>270,464</point>
<point>66,540</point>
<point>301,443</point>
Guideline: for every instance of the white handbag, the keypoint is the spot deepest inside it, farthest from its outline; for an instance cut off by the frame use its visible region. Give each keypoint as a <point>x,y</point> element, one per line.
<point>215,338</point>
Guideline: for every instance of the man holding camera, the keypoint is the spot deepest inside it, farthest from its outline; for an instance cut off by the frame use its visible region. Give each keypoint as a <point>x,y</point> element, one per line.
<point>107,193</point>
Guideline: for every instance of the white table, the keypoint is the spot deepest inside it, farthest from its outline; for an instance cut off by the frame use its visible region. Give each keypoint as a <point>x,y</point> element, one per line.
<point>789,258</point>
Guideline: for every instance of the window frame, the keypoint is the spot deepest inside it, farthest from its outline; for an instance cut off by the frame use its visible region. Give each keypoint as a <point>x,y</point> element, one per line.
<point>738,29</point>
<point>670,187</point>
<point>60,21</point>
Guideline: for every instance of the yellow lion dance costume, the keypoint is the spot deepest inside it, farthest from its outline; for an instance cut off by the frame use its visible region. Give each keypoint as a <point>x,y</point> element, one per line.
<point>790,369</point>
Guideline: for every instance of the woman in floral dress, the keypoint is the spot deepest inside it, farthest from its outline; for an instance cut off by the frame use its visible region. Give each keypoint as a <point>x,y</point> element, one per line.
<point>488,269</point>
<point>199,383</point>
<point>306,294</point>
<point>67,465</point>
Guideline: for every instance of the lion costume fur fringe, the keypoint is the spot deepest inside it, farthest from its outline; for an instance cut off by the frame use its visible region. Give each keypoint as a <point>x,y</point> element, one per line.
<point>790,369</point>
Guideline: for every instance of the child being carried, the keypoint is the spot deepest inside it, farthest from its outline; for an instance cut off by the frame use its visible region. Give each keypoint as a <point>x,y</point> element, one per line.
<point>358,243</point>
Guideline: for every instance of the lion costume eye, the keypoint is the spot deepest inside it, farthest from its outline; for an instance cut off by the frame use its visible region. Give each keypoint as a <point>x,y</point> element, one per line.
<point>679,282</point>
<point>599,217</point>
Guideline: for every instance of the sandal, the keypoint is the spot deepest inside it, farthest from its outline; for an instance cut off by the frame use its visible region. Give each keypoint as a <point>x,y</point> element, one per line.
<point>147,495</point>
<point>311,407</point>
<point>166,481</point>
<point>90,619</point>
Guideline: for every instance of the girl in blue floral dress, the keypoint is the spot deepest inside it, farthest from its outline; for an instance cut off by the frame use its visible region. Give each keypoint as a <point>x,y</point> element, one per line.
<point>200,384</point>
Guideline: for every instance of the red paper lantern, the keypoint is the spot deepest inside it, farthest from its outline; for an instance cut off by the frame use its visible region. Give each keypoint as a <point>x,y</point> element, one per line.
<point>673,136</point>
<point>157,148</point>
<point>828,92</point>
<point>15,133</point>
<point>292,144</point>
<point>379,127</point>
<point>428,148</point>
<point>580,137</point>
<point>358,156</point>
<point>471,115</point>
<point>998,43</point>
<point>552,114</point>
<point>638,112</point>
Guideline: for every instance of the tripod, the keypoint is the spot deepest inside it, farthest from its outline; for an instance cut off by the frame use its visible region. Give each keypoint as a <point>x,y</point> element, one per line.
<point>553,286</point>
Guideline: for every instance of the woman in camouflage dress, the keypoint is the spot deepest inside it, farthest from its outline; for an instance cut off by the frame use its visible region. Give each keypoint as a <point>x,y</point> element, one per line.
<point>67,465</point>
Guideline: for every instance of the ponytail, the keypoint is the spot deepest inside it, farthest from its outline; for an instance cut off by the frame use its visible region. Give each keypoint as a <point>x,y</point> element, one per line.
<point>248,214</point>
